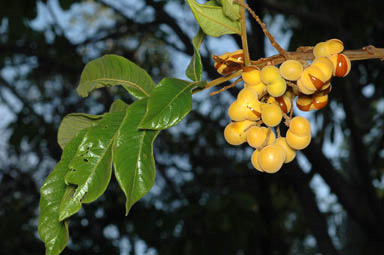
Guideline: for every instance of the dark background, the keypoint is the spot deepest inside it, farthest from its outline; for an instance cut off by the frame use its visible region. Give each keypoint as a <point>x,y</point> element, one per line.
<point>207,198</point>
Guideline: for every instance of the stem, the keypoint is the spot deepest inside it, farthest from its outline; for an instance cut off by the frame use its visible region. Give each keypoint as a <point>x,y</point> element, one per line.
<point>270,37</point>
<point>226,87</point>
<point>368,52</point>
<point>218,81</point>
<point>244,40</point>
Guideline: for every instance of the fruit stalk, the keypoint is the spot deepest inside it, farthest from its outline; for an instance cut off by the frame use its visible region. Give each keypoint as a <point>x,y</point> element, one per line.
<point>244,40</point>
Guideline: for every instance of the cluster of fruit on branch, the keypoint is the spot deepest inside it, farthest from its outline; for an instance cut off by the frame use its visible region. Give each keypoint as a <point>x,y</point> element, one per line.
<point>268,96</point>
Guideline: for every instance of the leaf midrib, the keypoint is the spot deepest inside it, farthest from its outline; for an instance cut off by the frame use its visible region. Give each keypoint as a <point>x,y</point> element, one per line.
<point>215,20</point>
<point>123,82</point>
<point>93,170</point>
<point>136,167</point>
<point>171,101</point>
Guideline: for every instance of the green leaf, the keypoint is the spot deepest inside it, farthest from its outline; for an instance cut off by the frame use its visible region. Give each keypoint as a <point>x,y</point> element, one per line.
<point>170,102</point>
<point>230,9</point>
<point>133,161</point>
<point>212,20</point>
<point>111,70</point>
<point>53,232</point>
<point>91,166</point>
<point>72,124</point>
<point>195,67</point>
<point>118,106</point>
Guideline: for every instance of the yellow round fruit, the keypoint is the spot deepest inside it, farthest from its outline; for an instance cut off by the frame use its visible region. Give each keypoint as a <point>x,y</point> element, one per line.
<point>291,70</point>
<point>257,136</point>
<point>255,160</point>
<point>319,100</point>
<point>325,65</point>
<point>334,46</point>
<point>270,74</point>
<point>290,153</point>
<point>247,95</point>
<point>297,142</point>
<point>341,65</point>
<point>271,114</point>
<point>236,111</point>
<point>251,76</point>
<point>313,78</point>
<point>235,133</point>
<point>284,103</point>
<point>259,88</point>
<point>304,89</point>
<point>277,88</point>
<point>271,158</point>
<point>246,107</point>
<point>300,126</point>
<point>304,103</point>
<point>321,49</point>
<point>324,49</point>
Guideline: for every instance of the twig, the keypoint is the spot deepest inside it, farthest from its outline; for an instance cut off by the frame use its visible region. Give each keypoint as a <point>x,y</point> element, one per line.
<point>278,131</point>
<point>265,143</point>
<point>218,81</point>
<point>275,44</point>
<point>226,87</point>
<point>244,40</point>
<point>368,52</point>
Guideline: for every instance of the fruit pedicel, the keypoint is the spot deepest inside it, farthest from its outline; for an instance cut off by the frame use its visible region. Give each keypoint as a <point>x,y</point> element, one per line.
<point>267,98</point>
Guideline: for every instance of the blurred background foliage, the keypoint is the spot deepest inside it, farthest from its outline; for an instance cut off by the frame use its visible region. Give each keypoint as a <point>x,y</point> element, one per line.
<point>207,198</point>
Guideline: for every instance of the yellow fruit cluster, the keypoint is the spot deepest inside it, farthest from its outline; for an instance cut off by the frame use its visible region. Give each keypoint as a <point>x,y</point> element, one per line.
<point>267,99</point>
<point>315,81</point>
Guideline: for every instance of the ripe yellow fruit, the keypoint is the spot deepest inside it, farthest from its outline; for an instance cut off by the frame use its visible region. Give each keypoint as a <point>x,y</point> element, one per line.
<point>291,70</point>
<point>313,78</point>
<point>271,158</point>
<point>284,102</point>
<point>271,114</point>
<point>335,46</point>
<point>300,126</point>
<point>246,107</point>
<point>290,153</point>
<point>324,49</point>
<point>319,100</point>
<point>251,75</point>
<point>235,133</point>
<point>325,65</point>
<point>297,142</point>
<point>257,136</point>
<point>304,103</point>
<point>277,88</point>
<point>255,160</point>
<point>303,89</point>
<point>341,65</point>
<point>321,50</point>
<point>259,88</point>
<point>269,74</point>
<point>326,88</point>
